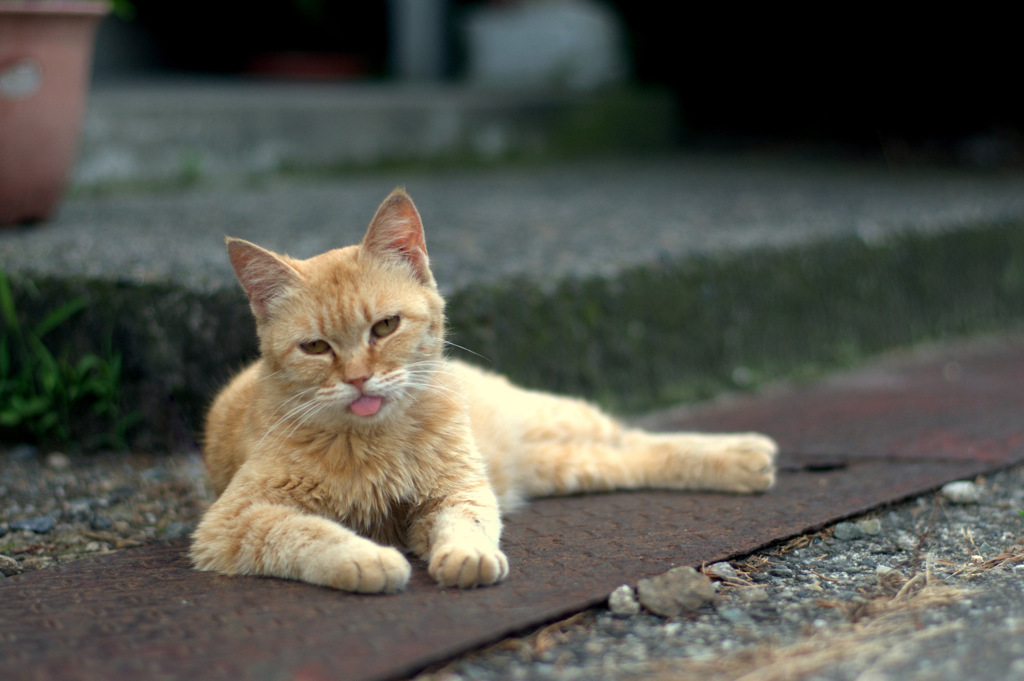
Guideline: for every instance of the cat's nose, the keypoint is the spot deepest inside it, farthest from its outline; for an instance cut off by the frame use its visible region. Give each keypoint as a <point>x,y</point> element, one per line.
<point>357,383</point>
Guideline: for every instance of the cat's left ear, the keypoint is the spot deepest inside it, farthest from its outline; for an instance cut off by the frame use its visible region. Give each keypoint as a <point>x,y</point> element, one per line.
<point>396,234</point>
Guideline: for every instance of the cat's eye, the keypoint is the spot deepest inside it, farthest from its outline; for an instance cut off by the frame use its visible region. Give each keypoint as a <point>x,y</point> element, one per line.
<point>316,347</point>
<point>385,327</point>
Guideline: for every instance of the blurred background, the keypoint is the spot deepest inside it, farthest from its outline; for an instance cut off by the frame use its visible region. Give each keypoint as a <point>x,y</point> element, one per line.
<point>901,84</point>
<point>679,198</point>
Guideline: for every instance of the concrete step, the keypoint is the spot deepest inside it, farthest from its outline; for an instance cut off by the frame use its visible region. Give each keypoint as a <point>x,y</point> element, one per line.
<point>634,282</point>
<point>198,130</point>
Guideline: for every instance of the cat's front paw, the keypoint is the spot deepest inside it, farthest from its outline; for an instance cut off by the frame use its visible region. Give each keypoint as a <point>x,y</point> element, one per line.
<point>468,564</point>
<point>371,569</point>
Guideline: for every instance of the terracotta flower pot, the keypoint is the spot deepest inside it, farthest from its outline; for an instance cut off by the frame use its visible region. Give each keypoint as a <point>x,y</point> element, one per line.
<point>45,60</point>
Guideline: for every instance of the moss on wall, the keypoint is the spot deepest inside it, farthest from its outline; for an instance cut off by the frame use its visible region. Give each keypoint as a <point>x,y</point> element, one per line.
<point>686,329</point>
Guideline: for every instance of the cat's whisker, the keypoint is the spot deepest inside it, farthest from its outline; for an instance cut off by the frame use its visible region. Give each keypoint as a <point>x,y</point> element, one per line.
<point>298,397</point>
<point>420,385</point>
<point>422,376</point>
<point>465,349</point>
<point>270,375</point>
<point>302,394</point>
<point>292,412</point>
<point>424,368</point>
<point>313,409</point>
<point>436,361</point>
<point>309,411</point>
<point>427,367</point>
<point>281,419</point>
<point>433,387</point>
<point>423,371</point>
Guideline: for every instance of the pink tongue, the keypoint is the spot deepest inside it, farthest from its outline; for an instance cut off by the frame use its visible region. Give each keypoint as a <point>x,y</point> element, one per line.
<point>366,405</point>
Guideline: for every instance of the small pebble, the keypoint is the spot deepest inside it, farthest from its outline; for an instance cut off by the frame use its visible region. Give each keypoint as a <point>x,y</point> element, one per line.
<point>847,532</point>
<point>622,602</point>
<point>9,567</point>
<point>872,527</point>
<point>40,525</point>
<point>679,590</point>
<point>723,571</point>
<point>733,615</point>
<point>120,494</point>
<point>907,541</point>
<point>961,492</point>
<point>101,523</point>
<point>58,461</point>
<point>176,530</point>
<point>757,594</point>
<point>78,510</point>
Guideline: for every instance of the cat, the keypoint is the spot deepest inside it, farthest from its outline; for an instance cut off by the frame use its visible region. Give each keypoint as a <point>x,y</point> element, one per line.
<point>353,438</point>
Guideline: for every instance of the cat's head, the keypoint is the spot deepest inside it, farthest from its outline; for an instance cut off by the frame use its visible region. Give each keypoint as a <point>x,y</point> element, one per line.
<point>354,333</point>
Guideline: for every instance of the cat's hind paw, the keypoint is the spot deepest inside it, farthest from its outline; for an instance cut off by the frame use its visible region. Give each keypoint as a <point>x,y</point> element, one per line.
<point>736,463</point>
<point>467,565</point>
<point>749,463</point>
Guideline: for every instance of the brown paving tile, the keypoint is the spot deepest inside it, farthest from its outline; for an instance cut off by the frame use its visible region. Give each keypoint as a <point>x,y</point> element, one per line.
<point>851,444</point>
<point>959,403</point>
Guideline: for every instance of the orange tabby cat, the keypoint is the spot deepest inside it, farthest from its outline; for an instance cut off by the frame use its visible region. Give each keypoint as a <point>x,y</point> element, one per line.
<point>353,438</point>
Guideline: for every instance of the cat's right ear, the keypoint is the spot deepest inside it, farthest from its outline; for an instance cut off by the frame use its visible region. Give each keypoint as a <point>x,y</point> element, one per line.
<point>264,275</point>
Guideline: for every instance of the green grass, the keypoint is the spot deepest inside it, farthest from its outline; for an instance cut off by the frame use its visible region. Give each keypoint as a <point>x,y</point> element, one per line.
<point>42,394</point>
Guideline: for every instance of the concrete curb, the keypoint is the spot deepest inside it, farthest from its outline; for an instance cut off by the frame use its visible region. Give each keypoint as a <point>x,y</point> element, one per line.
<point>649,336</point>
<point>158,133</point>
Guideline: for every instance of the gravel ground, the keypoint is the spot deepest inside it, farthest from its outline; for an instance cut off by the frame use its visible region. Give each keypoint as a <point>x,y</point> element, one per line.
<point>58,508</point>
<point>927,589</point>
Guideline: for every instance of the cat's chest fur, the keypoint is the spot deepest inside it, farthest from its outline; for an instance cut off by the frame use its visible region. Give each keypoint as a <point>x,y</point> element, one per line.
<point>370,479</point>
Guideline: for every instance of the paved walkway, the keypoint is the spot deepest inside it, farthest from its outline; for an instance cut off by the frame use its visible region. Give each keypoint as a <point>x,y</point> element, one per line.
<point>860,440</point>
